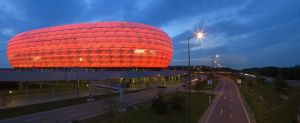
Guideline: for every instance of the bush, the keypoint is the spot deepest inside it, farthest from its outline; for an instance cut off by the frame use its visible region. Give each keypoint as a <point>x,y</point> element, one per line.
<point>176,102</point>
<point>199,85</point>
<point>280,85</point>
<point>251,84</point>
<point>159,104</point>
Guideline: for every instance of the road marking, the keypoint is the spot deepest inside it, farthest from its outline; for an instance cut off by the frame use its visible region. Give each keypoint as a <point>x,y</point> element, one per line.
<point>75,114</point>
<point>215,103</point>
<point>230,116</point>
<point>230,106</point>
<point>69,111</point>
<point>221,112</point>
<point>224,97</point>
<point>29,120</point>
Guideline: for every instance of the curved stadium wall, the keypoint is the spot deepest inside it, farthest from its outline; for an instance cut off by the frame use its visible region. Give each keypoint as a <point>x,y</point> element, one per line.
<point>100,44</point>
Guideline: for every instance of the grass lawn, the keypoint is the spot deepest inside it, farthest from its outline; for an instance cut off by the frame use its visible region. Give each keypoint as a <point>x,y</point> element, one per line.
<point>143,113</point>
<point>267,105</point>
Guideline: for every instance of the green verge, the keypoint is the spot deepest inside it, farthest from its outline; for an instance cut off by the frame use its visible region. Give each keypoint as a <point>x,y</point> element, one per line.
<point>267,105</point>
<point>143,113</point>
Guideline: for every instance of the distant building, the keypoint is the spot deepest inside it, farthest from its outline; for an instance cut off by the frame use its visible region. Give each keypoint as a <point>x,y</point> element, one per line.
<point>95,45</point>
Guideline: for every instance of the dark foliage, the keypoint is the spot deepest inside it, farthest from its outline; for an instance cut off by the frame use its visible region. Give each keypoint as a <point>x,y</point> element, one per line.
<point>292,73</point>
<point>280,85</point>
<point>159,104</point>
<point>176,102</point>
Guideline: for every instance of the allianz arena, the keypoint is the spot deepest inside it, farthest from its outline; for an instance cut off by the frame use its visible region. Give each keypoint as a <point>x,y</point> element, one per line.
<point>99,45</point>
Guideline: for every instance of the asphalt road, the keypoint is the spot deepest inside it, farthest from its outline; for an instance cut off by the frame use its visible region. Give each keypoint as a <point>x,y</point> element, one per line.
<point>82,111</point>
<point>228,108</point>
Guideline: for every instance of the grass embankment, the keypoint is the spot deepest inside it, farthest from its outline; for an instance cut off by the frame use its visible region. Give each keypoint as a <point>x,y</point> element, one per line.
<point>40,107</point>
<point>267,105</point>
<point>34,108</point>
<point>143,113</point>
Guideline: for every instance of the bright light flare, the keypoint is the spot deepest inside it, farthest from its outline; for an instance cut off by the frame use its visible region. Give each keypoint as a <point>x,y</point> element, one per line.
<point>200,35</point>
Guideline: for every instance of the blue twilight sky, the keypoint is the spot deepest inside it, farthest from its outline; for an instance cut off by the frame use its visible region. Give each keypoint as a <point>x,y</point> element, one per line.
<point>246,33</point>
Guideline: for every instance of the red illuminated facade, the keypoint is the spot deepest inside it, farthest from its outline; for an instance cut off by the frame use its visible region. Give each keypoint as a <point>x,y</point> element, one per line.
<point>100,44</point>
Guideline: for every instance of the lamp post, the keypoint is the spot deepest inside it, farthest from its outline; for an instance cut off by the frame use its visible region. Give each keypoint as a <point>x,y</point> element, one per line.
<point>77,83</point>
<point>10,94</point>
<point>213,60</point>
<point>199,36</point>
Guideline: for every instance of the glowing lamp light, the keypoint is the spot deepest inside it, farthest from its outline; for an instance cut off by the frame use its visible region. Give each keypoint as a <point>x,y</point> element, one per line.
<point>200,35</point>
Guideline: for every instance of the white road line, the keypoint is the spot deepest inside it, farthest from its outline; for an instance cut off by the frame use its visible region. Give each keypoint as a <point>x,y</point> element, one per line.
<point>230,106</point>
<point>221,112</point>
<point>224,97</point>
<point>29,120</point>
<point>214,105</point>
<point>230,116</point>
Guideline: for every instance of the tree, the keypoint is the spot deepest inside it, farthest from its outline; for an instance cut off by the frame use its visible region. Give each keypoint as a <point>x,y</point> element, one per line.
<point>159,104</point>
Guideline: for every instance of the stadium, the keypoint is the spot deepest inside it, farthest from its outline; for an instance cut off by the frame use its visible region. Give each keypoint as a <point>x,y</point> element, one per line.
<point>97,45</point>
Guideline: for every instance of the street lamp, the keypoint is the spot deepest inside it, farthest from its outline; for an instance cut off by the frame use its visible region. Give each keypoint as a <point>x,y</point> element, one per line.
<point>77,84</point>
<point>200,35</point>
<point>10,94</point>
<point>213,61</point>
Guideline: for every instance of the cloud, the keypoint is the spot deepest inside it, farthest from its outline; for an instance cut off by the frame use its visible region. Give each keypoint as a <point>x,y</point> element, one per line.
<point>7,31</point>
<point>9,8</point>
<point>248,28</point>
<point>243,31</point>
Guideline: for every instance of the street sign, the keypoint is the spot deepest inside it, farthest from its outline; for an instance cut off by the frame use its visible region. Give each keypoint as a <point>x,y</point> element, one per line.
<point>239,81</point>
<point>209,82</point>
